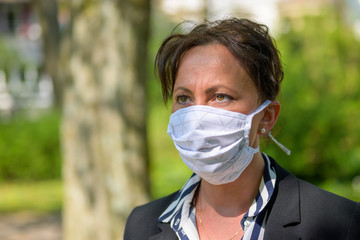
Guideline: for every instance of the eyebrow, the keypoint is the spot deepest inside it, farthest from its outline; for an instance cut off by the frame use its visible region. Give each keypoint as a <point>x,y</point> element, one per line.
<point>216,87</point>
<point>183,89</point>
<point>207,91</point>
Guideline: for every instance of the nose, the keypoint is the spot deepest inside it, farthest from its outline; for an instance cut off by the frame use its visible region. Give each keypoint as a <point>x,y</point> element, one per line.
<point>201,100</point>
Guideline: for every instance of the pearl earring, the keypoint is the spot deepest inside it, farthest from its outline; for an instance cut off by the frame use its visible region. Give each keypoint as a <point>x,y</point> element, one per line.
<point>263,130</point>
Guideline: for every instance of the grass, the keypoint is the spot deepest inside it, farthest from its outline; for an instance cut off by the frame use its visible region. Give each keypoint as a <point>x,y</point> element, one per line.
<point>43,196</point>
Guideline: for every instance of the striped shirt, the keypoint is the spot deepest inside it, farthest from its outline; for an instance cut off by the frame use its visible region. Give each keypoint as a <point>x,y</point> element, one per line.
<point>181,212</point>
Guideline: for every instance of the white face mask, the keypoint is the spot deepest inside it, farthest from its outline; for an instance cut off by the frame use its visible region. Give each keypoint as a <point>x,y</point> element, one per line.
<point>213,143</point>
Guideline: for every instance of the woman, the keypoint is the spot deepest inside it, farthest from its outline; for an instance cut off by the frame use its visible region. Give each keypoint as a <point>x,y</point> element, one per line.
<point>223,78</point>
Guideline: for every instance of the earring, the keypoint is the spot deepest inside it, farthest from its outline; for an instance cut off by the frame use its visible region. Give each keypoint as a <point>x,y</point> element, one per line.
<point>263,130</point>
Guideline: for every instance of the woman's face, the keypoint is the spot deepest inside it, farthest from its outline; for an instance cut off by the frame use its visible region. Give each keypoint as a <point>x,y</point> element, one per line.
<point>211,75</point>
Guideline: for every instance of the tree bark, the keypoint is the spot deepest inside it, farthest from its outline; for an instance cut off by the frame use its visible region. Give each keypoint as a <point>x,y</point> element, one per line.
<point>103,128</point>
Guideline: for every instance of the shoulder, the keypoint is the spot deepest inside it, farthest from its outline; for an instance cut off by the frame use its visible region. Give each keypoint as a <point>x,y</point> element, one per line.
<point>320,208</point>
<point>154,208</point>
<point>319,212</point>
<point>316,200</point>
<point>308,192</point>
<point>146,216</point>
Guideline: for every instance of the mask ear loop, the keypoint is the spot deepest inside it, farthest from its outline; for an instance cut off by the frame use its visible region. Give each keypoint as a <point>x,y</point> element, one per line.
<point>286,150</point>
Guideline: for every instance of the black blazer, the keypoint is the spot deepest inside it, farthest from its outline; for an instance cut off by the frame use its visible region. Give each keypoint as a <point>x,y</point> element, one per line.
<point>297,210</point>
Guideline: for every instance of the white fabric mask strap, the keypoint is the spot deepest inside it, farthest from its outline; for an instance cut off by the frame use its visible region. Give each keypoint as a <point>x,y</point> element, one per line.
<point>254,150</point>
<point>260,108</point>
<point>250,117</point>
<point>286,150</point>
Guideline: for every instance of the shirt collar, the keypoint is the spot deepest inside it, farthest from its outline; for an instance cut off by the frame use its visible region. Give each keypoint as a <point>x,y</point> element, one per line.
<point>266,189</point>
<point>181,204</point>
<point>178,212</point>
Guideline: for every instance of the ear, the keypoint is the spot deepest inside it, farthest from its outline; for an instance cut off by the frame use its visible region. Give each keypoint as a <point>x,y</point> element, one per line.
<point>271,114</point>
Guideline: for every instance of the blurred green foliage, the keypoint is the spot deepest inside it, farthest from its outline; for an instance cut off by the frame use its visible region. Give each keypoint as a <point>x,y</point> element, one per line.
<point>320,100</point>
<point>29,139</point>
<point>30,147</point>
<point>10,57</point>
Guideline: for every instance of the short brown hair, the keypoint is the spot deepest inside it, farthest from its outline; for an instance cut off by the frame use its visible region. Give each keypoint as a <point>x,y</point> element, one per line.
<point>248,41</point>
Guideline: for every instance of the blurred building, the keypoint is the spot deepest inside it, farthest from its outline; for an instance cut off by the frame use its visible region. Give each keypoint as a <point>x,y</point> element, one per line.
<point>23,83</point>
<point>268,12</point>
<point>263,11</point>
<point>347,10</point>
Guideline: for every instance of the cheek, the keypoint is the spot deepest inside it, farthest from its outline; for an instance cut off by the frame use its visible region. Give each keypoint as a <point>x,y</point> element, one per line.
<point>173,108</point>
<point>253,138</point>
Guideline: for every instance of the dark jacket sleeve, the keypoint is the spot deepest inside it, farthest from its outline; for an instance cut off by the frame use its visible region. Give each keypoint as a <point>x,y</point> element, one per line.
<point>142,222</point>
<point>328,216</point>
<point>354,228</point>
<point>300,210</point>
<point>137,227</point>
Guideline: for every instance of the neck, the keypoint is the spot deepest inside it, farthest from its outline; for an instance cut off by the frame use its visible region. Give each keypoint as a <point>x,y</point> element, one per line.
<point>233,199</point>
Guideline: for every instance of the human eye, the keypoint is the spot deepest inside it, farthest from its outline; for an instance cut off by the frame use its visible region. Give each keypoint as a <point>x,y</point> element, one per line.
<point>220,97</point>
<point>182,99</point>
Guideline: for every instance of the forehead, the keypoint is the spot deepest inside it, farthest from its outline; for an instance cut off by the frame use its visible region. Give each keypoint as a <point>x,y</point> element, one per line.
<point>210,54</point>
<point>212,62</point>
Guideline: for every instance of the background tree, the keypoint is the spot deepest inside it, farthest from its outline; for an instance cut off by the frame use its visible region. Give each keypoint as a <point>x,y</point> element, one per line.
<point>103,127</point>
<point>47,12</point>
<point>320,98</point>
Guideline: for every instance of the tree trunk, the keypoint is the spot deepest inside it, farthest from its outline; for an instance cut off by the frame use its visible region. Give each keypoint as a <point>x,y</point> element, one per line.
<point>103,128</point>
<point>47,11</point>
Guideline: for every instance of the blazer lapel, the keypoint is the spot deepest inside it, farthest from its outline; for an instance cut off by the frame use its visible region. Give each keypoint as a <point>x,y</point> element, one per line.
<point>166,233</point>
<point>284,212</point>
